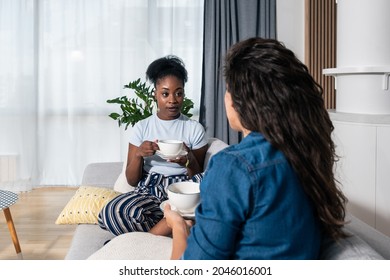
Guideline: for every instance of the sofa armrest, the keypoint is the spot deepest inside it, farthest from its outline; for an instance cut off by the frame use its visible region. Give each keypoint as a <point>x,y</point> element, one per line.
<point>87,239</point>
<point>377,240</point>
<point>364,243</point>
<point>102,174</point>
<point>215,145</point>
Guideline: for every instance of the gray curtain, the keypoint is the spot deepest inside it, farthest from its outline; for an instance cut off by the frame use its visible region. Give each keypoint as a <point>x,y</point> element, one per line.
<point>225,23</point>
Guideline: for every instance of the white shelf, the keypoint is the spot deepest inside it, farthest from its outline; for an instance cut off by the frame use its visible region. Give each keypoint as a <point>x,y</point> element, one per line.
<point>385,69</point>
<point>361,70</point>
<point>369,119</point>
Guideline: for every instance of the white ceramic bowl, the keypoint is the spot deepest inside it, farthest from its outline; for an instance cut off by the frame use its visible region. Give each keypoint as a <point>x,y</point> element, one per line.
<point>170,147</point>
<point>184,196</point>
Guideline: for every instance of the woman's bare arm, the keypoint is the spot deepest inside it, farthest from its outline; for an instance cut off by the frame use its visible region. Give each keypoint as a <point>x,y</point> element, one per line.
<point>196,161</point>
<point>135,160</point>
<point>180,231</point>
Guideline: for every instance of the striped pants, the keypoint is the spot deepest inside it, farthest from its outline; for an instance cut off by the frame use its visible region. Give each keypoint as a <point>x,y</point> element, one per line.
<point>139,210</point>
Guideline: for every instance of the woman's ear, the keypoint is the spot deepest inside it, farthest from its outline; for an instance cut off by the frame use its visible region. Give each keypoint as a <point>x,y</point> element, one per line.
<point>154,94</point>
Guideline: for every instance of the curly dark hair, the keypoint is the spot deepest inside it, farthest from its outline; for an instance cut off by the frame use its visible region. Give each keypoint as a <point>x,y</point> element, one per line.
<point>274,94</point>
<point>167,66</point>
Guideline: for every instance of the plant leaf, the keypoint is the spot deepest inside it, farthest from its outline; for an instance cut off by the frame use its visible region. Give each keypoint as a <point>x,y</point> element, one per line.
<point>114,116</point>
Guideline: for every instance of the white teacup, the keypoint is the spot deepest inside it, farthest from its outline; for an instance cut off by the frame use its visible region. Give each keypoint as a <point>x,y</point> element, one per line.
<point>184,196</point>
<point>170,147</point>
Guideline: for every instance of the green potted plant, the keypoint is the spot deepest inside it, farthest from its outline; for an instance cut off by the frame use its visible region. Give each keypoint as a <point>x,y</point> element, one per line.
<point>142,106</point>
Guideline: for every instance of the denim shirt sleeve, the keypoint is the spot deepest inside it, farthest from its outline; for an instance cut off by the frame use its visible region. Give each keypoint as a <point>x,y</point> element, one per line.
<point>224,205</point>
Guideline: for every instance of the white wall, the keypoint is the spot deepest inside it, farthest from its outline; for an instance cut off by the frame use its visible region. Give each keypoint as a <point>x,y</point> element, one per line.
<point>291,25</point>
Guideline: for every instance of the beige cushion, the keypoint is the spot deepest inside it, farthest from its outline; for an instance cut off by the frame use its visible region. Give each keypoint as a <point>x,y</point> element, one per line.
<point>85,205</point>
<point>135,246</point>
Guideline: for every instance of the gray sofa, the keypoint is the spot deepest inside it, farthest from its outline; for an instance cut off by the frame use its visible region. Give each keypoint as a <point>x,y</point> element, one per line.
<point>88,241</point>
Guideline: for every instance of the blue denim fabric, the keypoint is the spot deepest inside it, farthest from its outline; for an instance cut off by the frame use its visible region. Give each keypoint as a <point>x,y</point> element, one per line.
<point>253,207</point>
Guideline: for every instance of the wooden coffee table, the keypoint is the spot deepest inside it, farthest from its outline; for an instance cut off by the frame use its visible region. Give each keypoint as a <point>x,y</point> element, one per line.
<point>7,199</point>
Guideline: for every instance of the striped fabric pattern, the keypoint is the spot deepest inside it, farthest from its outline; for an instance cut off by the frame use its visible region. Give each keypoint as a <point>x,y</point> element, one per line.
<point>139,210</point>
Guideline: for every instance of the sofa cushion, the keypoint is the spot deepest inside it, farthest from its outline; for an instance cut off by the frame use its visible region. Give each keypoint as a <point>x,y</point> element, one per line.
<point>87,239</point>
<point>350,248</point>
<point>135,246</point>
<point>215,145</point>
<point>101,174</point>
<point>121,184</point>
<point>85,205</point>
<point>146,246</point>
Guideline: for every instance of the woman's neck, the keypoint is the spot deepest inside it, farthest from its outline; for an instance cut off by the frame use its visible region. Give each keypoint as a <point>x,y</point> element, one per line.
<point>245,132</point>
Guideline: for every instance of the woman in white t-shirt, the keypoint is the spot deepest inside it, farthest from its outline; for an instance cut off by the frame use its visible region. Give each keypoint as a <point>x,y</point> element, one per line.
<point>139,210</point>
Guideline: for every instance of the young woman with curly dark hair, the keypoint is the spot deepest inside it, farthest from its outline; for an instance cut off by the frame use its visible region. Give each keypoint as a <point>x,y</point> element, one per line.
<point>273,195</point>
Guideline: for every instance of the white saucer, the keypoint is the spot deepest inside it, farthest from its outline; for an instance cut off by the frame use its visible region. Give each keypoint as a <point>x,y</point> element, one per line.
<point>184,215</point>
<point>161,155</point>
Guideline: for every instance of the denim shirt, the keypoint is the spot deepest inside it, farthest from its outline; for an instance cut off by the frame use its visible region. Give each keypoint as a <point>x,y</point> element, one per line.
<point>253,207</point>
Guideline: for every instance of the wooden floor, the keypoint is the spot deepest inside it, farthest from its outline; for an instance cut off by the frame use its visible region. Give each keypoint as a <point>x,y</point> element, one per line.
<point>34,216</point>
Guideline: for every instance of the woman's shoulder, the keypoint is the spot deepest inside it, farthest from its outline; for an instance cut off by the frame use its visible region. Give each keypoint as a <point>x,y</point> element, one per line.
<point>191,122</point>
<point>143,122</point>
<point>139,129</point>
<point>226,156</point>
<point>253,150</point>
<point>185,118</point>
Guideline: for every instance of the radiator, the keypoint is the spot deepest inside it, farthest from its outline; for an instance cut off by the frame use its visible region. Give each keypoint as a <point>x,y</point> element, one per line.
<point>8,168</point>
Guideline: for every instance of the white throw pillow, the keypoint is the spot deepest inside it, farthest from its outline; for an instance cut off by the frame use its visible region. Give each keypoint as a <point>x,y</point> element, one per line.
<point>121,184</point>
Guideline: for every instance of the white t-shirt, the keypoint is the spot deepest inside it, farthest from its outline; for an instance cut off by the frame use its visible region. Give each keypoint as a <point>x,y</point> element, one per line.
<point>153,128</point>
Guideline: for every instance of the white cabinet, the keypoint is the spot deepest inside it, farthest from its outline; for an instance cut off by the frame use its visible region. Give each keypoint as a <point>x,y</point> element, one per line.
<point>383,180</point>
<point>364,167</point>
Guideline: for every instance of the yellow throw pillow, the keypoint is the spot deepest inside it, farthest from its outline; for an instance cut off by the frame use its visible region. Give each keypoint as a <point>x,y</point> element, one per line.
<point>85,205</point>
